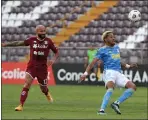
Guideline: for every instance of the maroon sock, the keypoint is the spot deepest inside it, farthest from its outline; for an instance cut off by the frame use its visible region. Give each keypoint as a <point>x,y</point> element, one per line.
<point>44,89</point>
<point>24,95</point>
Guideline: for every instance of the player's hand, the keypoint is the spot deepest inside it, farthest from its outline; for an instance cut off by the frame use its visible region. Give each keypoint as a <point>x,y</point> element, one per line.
<point>133,65</point>
<point>50,62</point>
<point>83,77</point>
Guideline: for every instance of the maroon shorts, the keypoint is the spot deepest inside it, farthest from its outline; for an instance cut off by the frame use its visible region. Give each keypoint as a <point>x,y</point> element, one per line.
<point>40,73</point>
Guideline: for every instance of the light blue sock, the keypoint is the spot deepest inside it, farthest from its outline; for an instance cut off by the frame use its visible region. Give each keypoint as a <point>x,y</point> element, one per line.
<point>106,98</point>
<point>127,93</point>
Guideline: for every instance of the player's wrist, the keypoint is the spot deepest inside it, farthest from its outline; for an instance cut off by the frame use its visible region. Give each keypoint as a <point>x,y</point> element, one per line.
<point>127,66</point>
<point>85,73</point>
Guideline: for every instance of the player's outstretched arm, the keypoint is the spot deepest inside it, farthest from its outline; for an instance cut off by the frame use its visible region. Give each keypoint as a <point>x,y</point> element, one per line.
<point>89,67</point>
<point>13,44</point>
<point>129,65</point>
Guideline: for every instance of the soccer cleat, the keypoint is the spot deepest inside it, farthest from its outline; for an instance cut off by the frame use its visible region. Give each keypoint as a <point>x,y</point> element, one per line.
<point>101,112</point>
<point>115,107</point>
<point>49,98</point>
<point>19,108</point>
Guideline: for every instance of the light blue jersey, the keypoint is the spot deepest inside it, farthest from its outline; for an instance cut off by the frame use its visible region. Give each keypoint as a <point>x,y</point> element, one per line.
<point>110,57</point>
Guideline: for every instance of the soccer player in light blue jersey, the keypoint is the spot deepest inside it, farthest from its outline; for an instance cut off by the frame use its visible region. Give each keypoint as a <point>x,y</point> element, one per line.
<point>112,76</point>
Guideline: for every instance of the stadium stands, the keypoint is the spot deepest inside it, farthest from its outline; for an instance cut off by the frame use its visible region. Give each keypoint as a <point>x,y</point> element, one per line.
<point>19,19</point>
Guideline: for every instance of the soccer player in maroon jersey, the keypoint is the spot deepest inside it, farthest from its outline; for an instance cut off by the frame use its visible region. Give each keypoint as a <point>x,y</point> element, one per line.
<point>37,66</point>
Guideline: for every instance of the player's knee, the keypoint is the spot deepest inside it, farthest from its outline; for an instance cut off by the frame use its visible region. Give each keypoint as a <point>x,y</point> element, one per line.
<point>27,84</point>
<point>28,81</point>
<point>110,84</point>
<point>134,87</point>
<point>131,85</point>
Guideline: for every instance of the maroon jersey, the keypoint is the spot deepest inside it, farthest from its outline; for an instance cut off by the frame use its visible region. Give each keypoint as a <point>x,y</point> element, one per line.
<point>39,51</point>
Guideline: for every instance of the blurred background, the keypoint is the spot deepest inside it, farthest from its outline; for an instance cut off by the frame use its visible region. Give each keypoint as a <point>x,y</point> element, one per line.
<point>74,26</point>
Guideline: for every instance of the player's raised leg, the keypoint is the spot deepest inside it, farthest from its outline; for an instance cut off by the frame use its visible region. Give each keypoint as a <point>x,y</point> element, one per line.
<point>24,93</point>
<point>107,96</point>
<point>131,88</point>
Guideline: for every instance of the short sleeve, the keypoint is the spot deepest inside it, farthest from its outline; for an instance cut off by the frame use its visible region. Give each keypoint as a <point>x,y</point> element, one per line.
<point>52,46</point>
<point>27,41</point>
<point>99,54</point>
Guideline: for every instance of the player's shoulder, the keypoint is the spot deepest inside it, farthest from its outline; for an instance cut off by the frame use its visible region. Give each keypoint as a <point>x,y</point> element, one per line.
<point>101,49</point>
<point>31,38</point>
<point>49,40</point>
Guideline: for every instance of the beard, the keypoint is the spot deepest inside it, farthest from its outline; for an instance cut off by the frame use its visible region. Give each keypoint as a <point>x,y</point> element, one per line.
<point>112,44</point>
<point>41,36</point>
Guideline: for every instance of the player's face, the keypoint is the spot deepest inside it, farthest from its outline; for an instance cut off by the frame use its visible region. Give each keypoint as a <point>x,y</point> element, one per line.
<point>91,48</point>
<point>110,40</point>
<point>41,32</point>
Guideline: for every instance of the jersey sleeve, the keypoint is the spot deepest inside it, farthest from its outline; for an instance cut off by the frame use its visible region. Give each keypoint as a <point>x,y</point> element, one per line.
<point>99,54</point>
<point>53,47</point>
<point>27,42</point>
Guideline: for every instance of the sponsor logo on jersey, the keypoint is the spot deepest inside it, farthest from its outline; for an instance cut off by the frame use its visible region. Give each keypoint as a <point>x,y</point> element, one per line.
<point>38,53</point>
<point>39,46</point>
<point>42,46</point>
<point>45,42</point>
<point>34,45</point>
<point>116,56</point>
<point>35,52</point>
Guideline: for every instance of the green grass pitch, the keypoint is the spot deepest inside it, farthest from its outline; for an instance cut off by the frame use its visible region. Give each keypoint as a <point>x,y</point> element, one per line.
<point>71,102</point>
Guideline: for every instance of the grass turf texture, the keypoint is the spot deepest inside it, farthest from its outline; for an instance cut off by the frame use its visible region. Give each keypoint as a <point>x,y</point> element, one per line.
<point>71,102</point>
